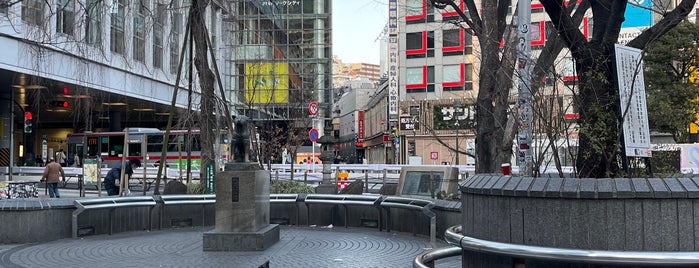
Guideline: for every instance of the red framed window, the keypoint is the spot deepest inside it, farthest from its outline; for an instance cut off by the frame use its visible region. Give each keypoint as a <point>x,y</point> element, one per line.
<point>452,40</point>
<point>450,12</point>
<point>420,79</point>
<point>538,33</point>
<point>416,43</point>
<point>415,10</point>
<point>453,75</point>
<point>416,77</point>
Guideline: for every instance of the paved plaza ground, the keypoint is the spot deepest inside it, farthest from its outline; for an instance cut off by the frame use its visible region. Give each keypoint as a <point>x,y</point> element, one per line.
<point>298,247</point>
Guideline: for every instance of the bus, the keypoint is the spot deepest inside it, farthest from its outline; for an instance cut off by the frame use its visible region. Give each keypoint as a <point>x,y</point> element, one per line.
<point>145,144</point>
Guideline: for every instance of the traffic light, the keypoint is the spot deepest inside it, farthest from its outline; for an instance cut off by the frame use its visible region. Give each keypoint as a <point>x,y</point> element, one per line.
<point>59,104</point>
<point>28,122</point>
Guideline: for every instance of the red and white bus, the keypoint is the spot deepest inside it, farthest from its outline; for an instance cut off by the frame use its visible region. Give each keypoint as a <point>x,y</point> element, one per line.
<point>145,144</point>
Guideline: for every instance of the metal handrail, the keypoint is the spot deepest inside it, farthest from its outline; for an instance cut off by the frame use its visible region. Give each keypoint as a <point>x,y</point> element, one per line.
<point>662,258</point>
<point>426,260</point>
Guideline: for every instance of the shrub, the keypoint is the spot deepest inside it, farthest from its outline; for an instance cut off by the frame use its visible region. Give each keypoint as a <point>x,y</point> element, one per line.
<point>196,188</point>
<point>290,187</point>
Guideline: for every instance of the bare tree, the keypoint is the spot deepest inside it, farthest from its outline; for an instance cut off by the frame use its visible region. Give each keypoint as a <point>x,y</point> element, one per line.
<point>599,131</point>
<point>597,98</point>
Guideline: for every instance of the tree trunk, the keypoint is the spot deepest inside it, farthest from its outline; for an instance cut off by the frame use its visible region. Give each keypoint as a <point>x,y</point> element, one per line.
<point>207,122</point>
<point>597,101</point>
<point>491,110</point>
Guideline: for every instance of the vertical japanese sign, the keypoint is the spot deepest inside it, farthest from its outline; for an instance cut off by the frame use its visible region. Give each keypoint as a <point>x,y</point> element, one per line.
<point>209,179</point>
<point>632,95</point>
<point>360,125</point>
<point>393,60</point>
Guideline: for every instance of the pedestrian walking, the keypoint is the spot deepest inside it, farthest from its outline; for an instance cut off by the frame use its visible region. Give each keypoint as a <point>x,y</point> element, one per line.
<point>52,173</point>
<point>76,160</point>
<point>61,157</point>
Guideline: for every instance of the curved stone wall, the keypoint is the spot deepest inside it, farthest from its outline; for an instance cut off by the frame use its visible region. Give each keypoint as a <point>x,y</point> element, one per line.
<point>42,219</point>
<point>604,214</point>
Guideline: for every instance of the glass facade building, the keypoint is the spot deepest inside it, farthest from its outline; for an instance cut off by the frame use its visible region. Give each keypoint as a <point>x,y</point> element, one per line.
<point>281,60</point>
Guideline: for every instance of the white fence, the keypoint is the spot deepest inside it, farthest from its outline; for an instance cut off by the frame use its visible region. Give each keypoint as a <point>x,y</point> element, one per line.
<point>139,173</point>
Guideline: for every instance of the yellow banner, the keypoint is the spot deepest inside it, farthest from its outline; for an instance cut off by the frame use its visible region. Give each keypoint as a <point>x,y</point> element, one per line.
<point>266,82</point>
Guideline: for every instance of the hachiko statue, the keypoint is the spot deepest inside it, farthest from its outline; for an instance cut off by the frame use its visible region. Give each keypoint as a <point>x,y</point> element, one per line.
<point>241,138</point>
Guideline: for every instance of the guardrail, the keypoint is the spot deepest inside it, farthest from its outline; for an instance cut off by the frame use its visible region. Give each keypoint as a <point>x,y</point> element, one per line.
<point>184,199</point>
<point>453,236</point>
<point>422,205</point>
<point>426,260</point>
<point>163,201</point>
<point>286,199</point>
<point>111,203</point>
<point>344,200</point>
<point>150,172</point>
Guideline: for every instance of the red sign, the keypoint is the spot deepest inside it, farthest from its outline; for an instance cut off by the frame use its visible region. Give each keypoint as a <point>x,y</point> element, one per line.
<point>313,108</point>
<point>571,116</point>
<point>434,155</point>
<point>360,125</point>
<point>386,138</point>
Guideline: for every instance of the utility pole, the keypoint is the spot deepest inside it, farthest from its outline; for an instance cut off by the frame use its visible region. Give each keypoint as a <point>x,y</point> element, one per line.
<point>524,52</point>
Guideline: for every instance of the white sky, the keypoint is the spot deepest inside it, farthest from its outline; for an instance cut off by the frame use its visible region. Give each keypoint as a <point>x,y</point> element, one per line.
<point>356,25</point>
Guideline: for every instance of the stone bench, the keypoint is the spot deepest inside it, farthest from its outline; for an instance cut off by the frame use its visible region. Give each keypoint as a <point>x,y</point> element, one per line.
<point>111,204</point>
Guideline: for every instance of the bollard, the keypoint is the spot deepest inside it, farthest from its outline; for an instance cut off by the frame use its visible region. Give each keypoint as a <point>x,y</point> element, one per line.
<point>305,177</point>
<point>276,174</point>
<point>384,177</point>
<point>366,181</point>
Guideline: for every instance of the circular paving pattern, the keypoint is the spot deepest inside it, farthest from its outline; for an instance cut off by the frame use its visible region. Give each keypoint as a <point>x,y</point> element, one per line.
<point>297,247</point>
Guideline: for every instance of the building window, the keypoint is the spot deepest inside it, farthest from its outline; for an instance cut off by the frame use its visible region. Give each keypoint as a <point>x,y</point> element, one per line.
<point>93,22</point>
<point>116,37</point>
<point>419,45</point>
<point>537,33</point>
<point>139,31</point>
<point>33,12</point>
<point>415,42</point>
<point>65,17</point>
<point>451,12</point>
<point>452,75</point>
<point>415,77</point>
<point>158,23</point>
<point>175,40</point>
<point>420,79</point>
<point>452,40</point>
<point>415,10</point>
<point>457,77</point>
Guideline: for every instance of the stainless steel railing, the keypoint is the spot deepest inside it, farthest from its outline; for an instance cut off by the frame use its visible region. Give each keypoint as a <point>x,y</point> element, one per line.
<point>657,258</point>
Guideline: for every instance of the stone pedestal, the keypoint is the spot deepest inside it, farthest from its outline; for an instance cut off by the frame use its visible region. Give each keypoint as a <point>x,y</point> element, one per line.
<point>242,210</point>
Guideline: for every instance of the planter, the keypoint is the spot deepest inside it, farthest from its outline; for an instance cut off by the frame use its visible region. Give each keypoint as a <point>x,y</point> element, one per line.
<point>597,214</point>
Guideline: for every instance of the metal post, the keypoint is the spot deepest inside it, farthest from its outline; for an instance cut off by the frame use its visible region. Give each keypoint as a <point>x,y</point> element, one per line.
<point>12,136</point>
<point>457,106</point>
<point>366,181</point>
<point>524,65</point>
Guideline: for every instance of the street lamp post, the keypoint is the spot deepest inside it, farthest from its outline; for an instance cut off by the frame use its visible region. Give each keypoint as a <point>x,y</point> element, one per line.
<point>457,106</point>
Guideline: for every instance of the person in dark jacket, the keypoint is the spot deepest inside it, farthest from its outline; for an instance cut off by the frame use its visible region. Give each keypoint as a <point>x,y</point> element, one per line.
<point>111,183</point>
